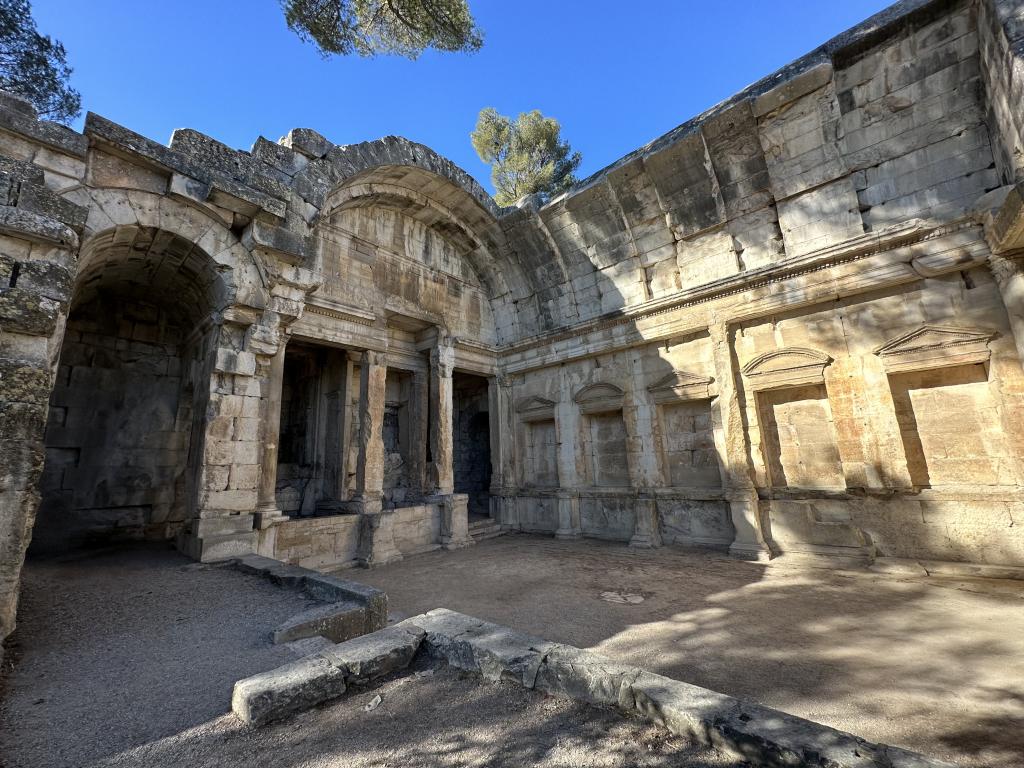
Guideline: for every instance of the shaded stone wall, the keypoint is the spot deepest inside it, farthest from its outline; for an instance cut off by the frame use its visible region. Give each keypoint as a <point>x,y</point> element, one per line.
<point>118,428</point>
<point>472,441</point>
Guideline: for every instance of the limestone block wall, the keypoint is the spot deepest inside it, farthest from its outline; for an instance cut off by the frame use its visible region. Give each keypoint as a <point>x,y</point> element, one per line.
<point>118,428</point>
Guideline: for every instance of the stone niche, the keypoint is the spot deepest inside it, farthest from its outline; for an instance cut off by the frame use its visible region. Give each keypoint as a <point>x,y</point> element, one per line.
<point>689,458</point>
<point>398,449</point>
<point>471,444</point>
<point>603,433</point>
<point>539,438</point>
<point>947,408</point>
<point>798,436</point>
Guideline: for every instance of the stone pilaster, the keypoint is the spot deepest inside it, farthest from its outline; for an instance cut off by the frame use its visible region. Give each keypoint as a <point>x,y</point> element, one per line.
<point>639,417</point>
<point>442,360</point>
<point>750,541</point>
<point>499,395</point>
<point>419,410</point>
<point>267,511</point>
<point>567,435</point>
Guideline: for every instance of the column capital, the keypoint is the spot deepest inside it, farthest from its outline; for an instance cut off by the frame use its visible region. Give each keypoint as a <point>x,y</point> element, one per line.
<point>442,356</point>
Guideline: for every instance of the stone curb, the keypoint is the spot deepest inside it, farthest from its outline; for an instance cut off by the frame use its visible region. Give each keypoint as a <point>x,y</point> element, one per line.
<point>758,734</point>
<point>337,622</point>
<point>320,586</point>
<point>323,676</point>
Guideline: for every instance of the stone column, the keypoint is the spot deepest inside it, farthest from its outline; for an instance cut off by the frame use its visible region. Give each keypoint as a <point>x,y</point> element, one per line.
<point>638,414</point>
<point>442,360</point>
<point>370,464</point>
<point>376,528</point>
<point>750,541</point>
<point>567,435</point>
<point>267,512</point>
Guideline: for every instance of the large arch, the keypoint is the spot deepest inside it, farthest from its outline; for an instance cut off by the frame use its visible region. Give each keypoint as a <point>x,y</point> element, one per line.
<point>401,175</point>
<point>126,435</point>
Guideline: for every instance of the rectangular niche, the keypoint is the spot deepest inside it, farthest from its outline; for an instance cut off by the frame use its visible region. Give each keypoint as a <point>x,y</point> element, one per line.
<point>688,445</point>
<point>950,427</point>
<point>541,454</point>
<point>799,438</point>
<point>605,447</point>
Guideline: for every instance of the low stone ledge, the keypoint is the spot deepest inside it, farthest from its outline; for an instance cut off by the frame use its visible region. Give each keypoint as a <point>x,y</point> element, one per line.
<point>583,676</point>
<point>286,690</point>
<point>491,650</point>
<point>371,657</point>
<point>337,622</point>
<point>321,586</point>
<point>323,676</point>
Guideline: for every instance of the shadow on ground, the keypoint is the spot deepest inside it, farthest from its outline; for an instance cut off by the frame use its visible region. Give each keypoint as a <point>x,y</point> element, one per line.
<point>928,664</point>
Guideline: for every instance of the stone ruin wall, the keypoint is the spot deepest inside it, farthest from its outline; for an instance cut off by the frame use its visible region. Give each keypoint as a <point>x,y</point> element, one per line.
<point>793,325</point>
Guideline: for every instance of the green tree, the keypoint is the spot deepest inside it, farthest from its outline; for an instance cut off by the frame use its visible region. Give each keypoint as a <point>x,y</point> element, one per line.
<point>368,27</point>
<point>33,65</point>
<point>527,155</point>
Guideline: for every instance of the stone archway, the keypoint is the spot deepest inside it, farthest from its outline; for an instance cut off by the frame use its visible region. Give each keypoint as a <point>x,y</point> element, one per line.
<point>123,440</point>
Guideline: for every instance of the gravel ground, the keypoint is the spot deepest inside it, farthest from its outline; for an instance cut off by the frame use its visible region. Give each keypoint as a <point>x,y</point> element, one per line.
<point>934,665</point>
<point>445,718</point>
<point>121,647</point>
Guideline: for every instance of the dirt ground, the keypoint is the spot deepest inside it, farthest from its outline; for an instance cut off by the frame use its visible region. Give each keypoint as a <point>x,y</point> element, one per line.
<point>446,719</point>
<point>128,657</point>
<point>121,647</point>
<point>934,665</point>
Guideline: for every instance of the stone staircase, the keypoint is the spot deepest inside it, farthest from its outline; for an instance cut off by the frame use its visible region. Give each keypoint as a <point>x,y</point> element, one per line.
<point>484,528</point>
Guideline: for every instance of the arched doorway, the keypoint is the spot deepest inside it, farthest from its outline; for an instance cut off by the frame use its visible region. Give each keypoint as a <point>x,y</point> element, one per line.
<point>123,437</point>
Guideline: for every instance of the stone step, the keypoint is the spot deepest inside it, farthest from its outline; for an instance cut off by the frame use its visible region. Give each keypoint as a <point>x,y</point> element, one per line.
<point>485,530</point>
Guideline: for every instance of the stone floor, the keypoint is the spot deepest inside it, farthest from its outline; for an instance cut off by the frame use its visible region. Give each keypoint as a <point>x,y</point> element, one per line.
<point>935,665</point>
<point>118,648</point>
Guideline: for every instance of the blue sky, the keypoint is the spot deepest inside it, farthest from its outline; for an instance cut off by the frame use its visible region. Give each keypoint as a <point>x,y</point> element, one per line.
<point>616,74</point>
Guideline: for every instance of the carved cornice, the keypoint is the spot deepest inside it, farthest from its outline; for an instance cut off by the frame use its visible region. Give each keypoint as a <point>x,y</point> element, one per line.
<point>535,408</point>
<point>787,367</point>
<point>935,346</point>
<point>599,398</point>
<point>681,385</point>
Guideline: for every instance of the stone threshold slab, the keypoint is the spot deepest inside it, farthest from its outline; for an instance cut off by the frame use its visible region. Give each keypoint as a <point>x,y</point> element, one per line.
<point>752,732</point>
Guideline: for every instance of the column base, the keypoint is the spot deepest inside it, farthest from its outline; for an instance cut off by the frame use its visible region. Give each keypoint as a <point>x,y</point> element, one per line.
<point>761,553</point>
<point>644,541</point>
<point>454,521</point>
<point>208,549</point>
<point>377,540</point>
<point>268,518</point>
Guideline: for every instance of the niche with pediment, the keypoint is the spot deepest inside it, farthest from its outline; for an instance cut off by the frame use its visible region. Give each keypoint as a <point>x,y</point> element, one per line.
<point>798,436</point>
<point>603,433</point>
<point>688,455</point>
<point>947,408</point>
<point>540,441</point>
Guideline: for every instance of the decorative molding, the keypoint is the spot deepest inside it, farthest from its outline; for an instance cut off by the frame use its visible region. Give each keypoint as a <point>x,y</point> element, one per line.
<point>328,308</point>
<point>599,398</point>
<point>935,346</point>
<point>681,385</point>
<point>787,367</point>
<point>535,408</point>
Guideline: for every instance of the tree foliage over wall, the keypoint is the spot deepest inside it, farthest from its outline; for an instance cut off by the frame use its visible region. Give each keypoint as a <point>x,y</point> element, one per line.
<point>527,155</point>
<point>369,27</point>
<point>34,65</point>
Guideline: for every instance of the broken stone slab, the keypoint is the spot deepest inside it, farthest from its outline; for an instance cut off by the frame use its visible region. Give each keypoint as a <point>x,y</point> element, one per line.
<point>335,621</point>
<point>491,650</point>
<point>279,573</point>
<point>371,657</point>
<point>286,690</point>
<point>584,676</point>
<point>324,676</point>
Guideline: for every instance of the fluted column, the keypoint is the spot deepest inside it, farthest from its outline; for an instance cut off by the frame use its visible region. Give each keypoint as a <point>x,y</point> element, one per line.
<point>442,360</point>
<point>370,464</point>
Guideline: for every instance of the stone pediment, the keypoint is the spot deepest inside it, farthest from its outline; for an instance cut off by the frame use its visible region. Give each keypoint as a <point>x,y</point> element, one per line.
<point>680,385</point>
<point>787,367</point>
<point>535,408</point>
<point>599,398</point>
<point>933,346</point>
